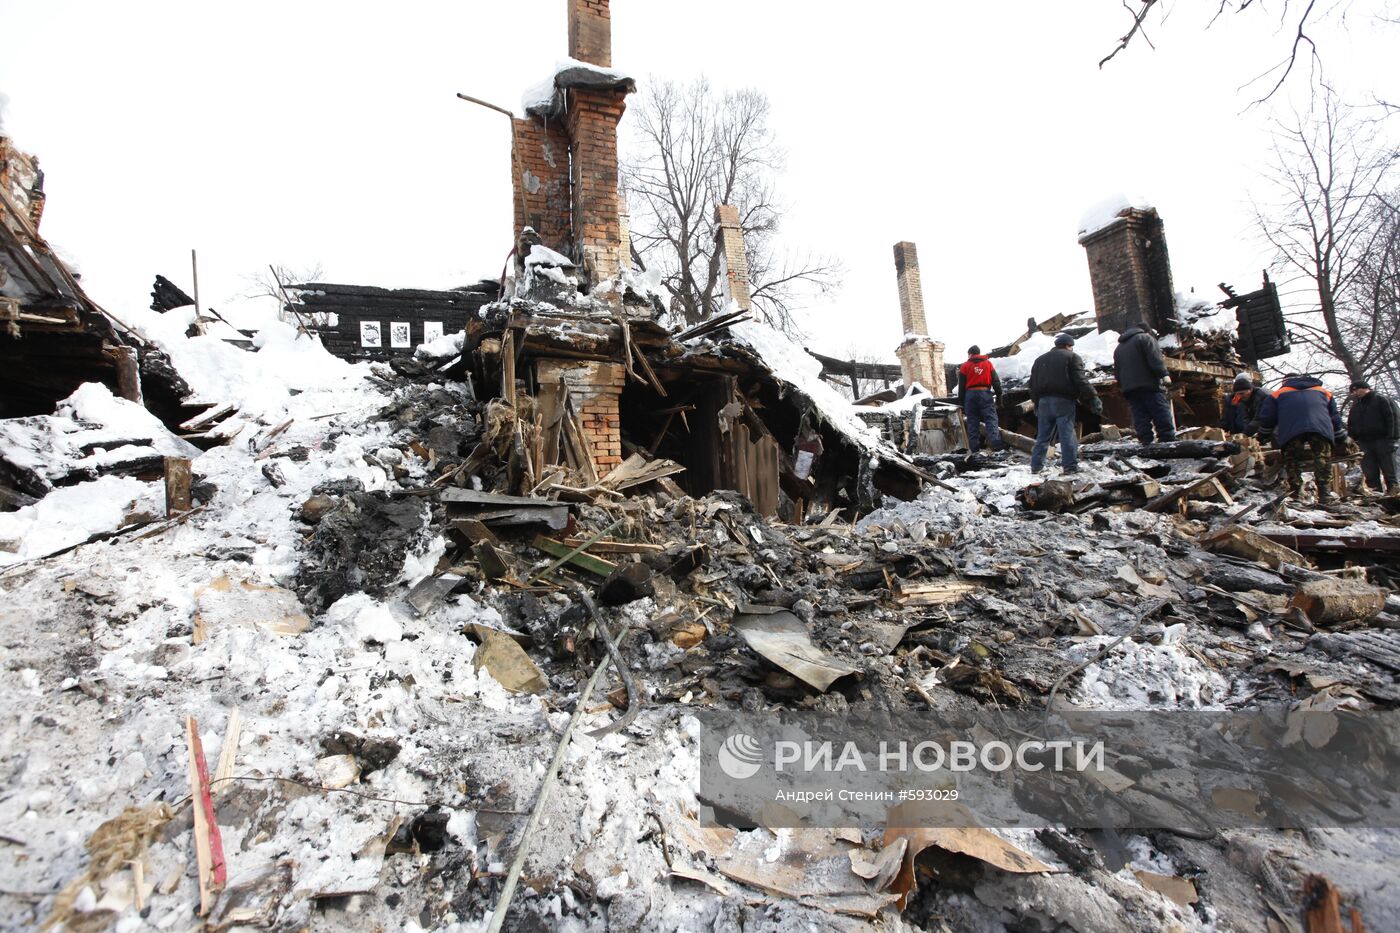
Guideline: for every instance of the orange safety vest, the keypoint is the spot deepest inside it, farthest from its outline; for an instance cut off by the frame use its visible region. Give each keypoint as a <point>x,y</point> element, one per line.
<point>1282,389</point>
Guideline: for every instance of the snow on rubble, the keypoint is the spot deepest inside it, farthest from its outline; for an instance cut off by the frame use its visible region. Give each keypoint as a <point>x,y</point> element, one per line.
<point>793,365</point>
<point>1095,348</point>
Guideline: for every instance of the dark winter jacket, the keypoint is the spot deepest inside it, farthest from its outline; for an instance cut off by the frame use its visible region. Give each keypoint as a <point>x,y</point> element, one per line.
<point>1059,373</point>
<point>1373,419</point>
<point>1301,406</point>
<point>1138,361</point>
<point>1241,409</point>
<point>978,373</point>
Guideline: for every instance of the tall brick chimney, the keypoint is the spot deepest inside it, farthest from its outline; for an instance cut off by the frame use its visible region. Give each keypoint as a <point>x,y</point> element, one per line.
<point>1131,273</point>
<point>590,32</point>
<point>729,235</point>
<point>565,152</point>
<point>920,358</point>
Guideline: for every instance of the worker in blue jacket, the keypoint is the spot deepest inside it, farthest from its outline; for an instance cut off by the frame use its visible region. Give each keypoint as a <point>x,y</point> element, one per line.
<point>1307,426</point>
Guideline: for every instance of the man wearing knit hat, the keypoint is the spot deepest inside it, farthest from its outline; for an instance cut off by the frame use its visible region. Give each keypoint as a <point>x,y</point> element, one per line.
<point>1372,422</point>
<point>1242,406</point>
<point>1058,380</point>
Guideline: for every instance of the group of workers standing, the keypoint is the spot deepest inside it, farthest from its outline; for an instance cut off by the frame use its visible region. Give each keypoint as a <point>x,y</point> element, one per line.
<point>1300,416</point>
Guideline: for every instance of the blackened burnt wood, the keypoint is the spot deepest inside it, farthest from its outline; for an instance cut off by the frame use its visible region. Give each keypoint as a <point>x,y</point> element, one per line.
<point>1166,450</point>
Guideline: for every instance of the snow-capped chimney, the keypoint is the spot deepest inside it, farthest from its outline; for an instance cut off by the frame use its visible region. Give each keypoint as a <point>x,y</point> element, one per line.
<point>590,32</point>
<point>729,235</point>
<point>920,359</point>
<point>1129,268</point>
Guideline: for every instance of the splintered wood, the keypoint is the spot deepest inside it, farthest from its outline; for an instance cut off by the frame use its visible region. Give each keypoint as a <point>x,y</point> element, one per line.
<point>208,846</point>
<point>934,594</point>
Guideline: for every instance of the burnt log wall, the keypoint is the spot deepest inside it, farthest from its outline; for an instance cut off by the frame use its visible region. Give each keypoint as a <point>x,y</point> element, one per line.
<point>357,307</point>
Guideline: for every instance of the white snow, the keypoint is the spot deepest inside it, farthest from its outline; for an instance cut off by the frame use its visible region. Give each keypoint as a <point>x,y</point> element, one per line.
<point>540,96</point>
<point>72,514</point>
<point>1096,349</point>
<point>259,383</point>
<point>1137,675</point>
<point>799,369</point>
<point>543,255</point>
<point>1104,213</point>
<point>447,345</point>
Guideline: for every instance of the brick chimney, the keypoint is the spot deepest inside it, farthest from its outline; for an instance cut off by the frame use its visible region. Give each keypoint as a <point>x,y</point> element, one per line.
<point>565,153</point>
<point>729,238</point>
<point>920,358</point>
<point>590,32</point>
<point>1131,273</point>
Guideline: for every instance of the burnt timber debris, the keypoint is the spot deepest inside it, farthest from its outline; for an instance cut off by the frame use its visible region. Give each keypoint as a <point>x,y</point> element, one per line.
<point>631,522</point>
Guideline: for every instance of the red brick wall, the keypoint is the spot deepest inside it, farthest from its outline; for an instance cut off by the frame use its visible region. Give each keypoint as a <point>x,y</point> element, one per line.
<point>593,118</point>
<point>540,161</point>
<point>596,389</point>
<point>590,32</point>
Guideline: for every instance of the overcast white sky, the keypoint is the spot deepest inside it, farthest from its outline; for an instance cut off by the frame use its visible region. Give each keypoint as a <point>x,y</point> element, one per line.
<point>329,132</point>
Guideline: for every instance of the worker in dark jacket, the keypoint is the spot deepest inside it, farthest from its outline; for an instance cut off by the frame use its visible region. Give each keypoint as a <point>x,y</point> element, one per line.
<point>1058,380</point>
<point>1142,378</point>
<point>1242,407</point>
<point>979,390</point>
<point>1308,424</point>
<point>1373,424</point>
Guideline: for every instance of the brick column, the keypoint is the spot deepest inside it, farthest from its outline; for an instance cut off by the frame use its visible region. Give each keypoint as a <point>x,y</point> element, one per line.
<point>911,292</point>
<point>729,240</point>
<point>590,32</point>
<point>596,390</point>
<point>592,124</point>
<point>1130,272</point>
<point>920,359</point>
<point>540,169</point>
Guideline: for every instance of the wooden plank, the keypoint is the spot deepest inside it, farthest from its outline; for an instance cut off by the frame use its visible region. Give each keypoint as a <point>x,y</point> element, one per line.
<point>583,560</point>
<point>934,594</point>
<point>1322,906</point>
<point>208,847</point>
<point>551,408</point>
<point>650,373</point>
<point>492,564</point>
<point>474,530</point>
<point>177,486</point>
<point>508,368</point>
<point>458,496</point>
<point>1325,542</point>
<point>1332,601</point>
<point>199,422</point>
<point>1250,545</point>
<point>617,547</point>
<point>556,517</point>
<point>1164,502</point>
<point>228,753</point>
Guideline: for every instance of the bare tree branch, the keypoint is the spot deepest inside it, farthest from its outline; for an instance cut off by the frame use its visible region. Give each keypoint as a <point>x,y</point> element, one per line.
<point>1138,15</point>
<point>693,149</point>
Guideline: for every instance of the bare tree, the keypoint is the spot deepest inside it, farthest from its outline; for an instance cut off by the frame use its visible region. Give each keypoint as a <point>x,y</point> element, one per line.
<point>1333,229</point>
<point>693,150</point>
<point>1296,19</point>
<point>276,281</point>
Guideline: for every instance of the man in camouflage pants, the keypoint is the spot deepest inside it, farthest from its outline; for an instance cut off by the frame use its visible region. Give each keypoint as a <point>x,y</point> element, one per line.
<point>1307,425</point>
<point>1309,452</point>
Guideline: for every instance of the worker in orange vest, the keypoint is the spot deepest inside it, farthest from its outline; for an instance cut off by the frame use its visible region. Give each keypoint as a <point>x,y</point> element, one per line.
<point>1308,425</point>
